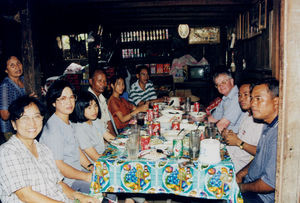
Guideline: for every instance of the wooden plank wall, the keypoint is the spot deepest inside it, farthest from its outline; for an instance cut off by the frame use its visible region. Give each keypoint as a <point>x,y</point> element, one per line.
<point>288,155</point>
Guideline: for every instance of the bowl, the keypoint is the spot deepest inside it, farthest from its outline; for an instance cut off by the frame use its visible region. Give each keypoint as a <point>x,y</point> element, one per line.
<point>165,122</point>
<point>198,116</point>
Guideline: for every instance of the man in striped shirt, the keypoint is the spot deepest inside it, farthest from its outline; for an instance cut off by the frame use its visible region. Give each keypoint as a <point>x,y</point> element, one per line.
<point>142,90</point>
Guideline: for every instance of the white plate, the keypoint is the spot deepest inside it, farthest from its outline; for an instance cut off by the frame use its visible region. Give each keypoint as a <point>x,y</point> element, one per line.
<point>120,143</point>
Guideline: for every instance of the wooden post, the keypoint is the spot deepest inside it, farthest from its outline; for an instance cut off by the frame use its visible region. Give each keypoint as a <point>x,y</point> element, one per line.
<point>31,70</point>
<point>288,153</point>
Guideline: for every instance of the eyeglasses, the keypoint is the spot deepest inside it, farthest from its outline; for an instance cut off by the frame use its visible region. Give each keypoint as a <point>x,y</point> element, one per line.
<point>222,83</point>
<point>28,119</point>
<point>64,99</point>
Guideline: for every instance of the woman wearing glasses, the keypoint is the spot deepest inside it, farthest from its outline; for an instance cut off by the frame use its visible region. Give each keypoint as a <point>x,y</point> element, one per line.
<point>27,169</point>
<point>59,136</point>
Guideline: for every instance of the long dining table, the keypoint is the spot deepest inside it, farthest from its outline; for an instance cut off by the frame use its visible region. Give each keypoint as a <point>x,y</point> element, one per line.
<point>114,173</point>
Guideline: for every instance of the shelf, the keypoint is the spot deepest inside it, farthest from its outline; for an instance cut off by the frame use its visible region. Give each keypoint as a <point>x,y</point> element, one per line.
<point>141,43</point>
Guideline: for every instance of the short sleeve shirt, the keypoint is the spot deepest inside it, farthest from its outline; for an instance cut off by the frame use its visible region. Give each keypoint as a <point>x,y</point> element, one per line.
<point>263,165</point>
<point>137,94</point>
<point>230,109</point>
<point>119,104</point>
<point>19,169</point>
<point>9,91</point>
<point>103,107</point>
<point>61,140</point>
<point>249,132</point>
<point>91,135</point>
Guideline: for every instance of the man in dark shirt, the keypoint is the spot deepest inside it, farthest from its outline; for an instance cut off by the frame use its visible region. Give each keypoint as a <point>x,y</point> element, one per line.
<point>257,179</point>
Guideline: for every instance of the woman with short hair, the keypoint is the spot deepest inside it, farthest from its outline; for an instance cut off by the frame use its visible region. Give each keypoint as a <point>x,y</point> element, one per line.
<point>27,169</point>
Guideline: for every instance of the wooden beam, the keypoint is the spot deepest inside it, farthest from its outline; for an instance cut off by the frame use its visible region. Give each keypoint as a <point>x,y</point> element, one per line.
<point>31,74</point>
<point>288,153</point>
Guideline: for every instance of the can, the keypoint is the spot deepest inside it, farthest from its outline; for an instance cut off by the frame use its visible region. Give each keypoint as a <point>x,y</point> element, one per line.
<point>150,128</point>
<point>150,115</point>
<point>177,148</point>
<point>196,107</point>
<point>156,128</point>
<point>155,114</point>
<point>175,125</point>
<point>145,142</point>
<point>155,107</point>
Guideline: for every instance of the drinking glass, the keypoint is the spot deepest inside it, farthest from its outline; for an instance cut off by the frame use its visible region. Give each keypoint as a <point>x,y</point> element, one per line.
<point>140,119</point>
<point>194,144</point>
<point>188,104</point>
<point>132,149</point>
<point>210,130</point>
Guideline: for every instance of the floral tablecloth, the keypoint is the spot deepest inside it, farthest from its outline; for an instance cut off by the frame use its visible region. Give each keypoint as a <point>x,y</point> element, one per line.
<point>113,173</point>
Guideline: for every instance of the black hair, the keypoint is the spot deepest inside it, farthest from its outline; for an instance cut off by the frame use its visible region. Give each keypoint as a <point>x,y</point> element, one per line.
<point>16,108</point>
<point>272,84</point>
<point>92,73</point>
<point>250,82</point>
<point>115,78</point>
<point>140,68</point>
<point>83,101</point>
<point>223,72</point>
<point>55,91</point>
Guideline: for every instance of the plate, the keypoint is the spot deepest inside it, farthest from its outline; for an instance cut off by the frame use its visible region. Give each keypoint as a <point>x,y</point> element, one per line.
<point>120,143</point>
<point>171,112</point>
<point>153,155</point>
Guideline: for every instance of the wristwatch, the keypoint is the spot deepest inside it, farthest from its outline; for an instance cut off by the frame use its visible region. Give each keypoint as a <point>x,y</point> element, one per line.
<point>242,145</point>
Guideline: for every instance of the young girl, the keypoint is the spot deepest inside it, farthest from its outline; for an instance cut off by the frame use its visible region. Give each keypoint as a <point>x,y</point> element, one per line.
<point>90,130</point>
<point>121,110</point>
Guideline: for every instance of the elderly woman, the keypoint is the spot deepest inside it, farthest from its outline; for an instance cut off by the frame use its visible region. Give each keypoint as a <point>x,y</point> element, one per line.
<point>11,88</point>
<point>27,169</point>
<point>59,136</point>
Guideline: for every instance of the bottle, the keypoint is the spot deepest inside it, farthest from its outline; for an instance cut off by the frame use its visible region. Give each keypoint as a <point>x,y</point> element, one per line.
<point>232,66</point>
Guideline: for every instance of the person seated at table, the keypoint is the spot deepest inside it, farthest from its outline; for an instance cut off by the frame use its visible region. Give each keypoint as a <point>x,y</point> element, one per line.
<point>121,110</point>
<point>242,146</point>
<point>90,130</point>
<point>257,179</point>
<point>28,172</point>
<point>143,90</point>
<point>59,136</point>
<point>228,113</point>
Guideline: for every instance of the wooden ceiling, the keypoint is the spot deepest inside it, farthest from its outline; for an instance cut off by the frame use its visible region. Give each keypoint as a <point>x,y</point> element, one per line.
<point>126,13</point>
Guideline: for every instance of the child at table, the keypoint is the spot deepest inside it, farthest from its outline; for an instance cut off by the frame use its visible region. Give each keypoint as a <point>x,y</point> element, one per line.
<point>90,130</point>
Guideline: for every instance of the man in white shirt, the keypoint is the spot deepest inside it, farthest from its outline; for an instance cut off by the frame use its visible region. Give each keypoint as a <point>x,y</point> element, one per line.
<point>98,83</point>
<point>242,146</point>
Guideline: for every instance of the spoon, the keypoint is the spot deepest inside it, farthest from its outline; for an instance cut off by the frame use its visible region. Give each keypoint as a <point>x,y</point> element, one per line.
<point>180,131</point>
<point>198,126</point>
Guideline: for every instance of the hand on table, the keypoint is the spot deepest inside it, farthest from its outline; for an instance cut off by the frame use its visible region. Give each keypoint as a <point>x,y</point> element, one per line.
<point>231,138</point>
<point>108,137</point>
<point>86,199</point>
<point>143,108</point>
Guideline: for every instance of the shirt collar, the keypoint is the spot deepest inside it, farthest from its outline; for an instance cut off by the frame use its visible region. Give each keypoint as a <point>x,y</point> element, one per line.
<point>232,93</point>
<point>273,122</point>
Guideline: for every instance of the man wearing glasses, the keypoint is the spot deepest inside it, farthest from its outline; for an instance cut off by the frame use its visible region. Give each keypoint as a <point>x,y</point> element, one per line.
<point>228,114</point>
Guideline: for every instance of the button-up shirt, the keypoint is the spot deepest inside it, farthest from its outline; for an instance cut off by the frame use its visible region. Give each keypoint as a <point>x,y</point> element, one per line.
<point>230,109</point>
<point>263,165</point>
